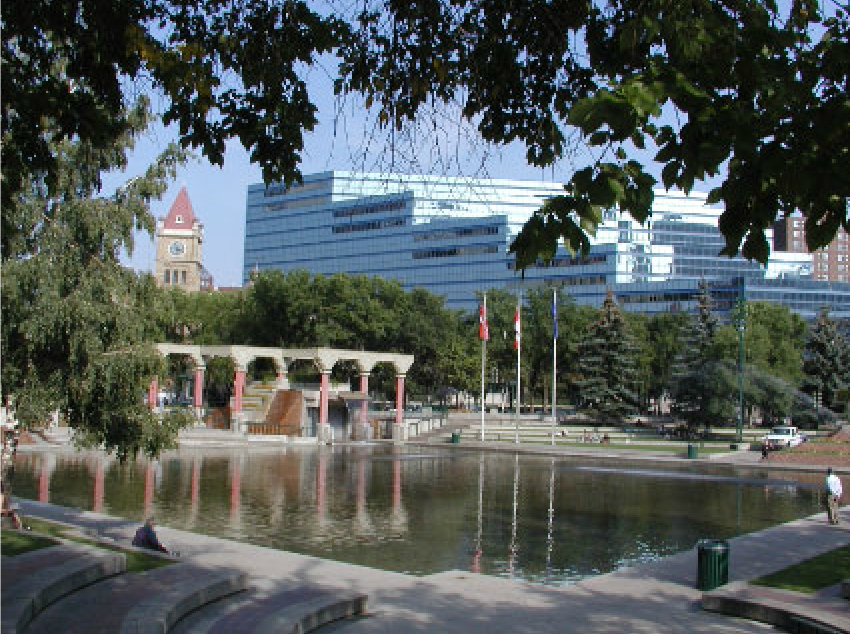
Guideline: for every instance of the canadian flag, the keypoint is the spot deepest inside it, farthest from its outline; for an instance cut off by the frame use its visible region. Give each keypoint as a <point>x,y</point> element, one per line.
<point>483,328</point>
<point>516,327</point>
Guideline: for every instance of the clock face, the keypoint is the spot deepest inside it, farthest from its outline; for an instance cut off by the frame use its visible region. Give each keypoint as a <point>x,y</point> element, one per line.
<point>177,248</point>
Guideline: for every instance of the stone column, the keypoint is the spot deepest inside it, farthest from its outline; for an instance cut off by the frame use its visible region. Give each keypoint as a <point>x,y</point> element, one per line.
<point>238,386</point>
<point>364,432</point>
<point>282,378</point>
<point>97,503</point>
<point>152,392</point>
<point>199,386</point>
<point>399,399</point>
<point>324,389</point>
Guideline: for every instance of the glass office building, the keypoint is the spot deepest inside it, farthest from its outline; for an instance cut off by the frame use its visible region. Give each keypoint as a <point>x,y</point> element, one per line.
<point>452,235</point>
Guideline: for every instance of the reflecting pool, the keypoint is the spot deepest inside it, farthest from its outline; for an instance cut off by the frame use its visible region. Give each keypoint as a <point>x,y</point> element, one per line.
<point>422,510</point>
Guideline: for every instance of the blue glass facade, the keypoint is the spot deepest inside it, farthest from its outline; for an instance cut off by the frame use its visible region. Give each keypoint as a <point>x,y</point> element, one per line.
<point>452,234</point>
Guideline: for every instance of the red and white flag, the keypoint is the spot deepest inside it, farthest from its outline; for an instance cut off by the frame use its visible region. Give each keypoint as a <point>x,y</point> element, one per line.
<point>483,327</point>
<point>517,328</point>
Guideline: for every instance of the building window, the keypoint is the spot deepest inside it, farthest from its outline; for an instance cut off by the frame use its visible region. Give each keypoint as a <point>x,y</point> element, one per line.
<point>175,276</point>
<point>167,276</point>
<point>178,219</point>
<point>183,276</point>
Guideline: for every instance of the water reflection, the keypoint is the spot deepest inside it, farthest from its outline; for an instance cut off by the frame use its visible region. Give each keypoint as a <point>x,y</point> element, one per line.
<point>541,519</point>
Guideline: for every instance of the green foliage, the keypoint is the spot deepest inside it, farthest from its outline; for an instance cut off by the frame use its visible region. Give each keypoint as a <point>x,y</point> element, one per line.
<point>826,361</point>
<point>607,366</point>
<point>755,88</point>
<point>703,386</point>
<point>69,66</point>
<point>76,324</point>
<point>13,543</point>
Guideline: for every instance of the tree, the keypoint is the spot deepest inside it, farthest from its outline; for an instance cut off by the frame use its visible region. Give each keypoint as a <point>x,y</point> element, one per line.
<point>826,361</point>
<point>664,332</point>
<point>754,87</point>
<point>607,365</point>
<point>77,325</point>
<point>702,384</point>
<point>225,70</point>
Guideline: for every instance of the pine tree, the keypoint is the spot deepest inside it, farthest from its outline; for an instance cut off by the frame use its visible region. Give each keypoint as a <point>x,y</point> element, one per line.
<point>826,361</point>
<point>607,366</point>
<point>702,385</point>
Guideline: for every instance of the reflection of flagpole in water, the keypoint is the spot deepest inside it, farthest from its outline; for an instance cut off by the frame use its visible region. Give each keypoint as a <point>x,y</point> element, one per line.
<point>476,557</point>
<point>550,534</point>
<point>97,503</point>
<point>513,547</point>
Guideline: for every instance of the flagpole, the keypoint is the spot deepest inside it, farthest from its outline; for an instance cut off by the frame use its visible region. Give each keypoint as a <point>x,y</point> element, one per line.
<point>483,361</point>
<point>554,361</point>
<point>518,345</point>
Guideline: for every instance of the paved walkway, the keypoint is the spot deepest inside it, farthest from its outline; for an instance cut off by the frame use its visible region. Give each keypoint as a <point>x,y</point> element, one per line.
<point>656,597</point>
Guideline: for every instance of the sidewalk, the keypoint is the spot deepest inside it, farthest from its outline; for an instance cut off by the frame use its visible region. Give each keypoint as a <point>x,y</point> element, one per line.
<point>655,597</point>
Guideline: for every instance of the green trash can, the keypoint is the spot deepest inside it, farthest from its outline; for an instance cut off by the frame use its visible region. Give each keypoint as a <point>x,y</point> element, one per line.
<point>455,437</point>
<point>692,450</point>
<point>712,563</point>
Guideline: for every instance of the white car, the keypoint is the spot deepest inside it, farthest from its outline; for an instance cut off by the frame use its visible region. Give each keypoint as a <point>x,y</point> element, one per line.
<point>783,436</point>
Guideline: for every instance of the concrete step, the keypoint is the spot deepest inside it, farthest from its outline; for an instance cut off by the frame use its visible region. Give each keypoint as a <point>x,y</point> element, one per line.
<point>260,611</point>
<point>138,603</point>
<point>33,581</point>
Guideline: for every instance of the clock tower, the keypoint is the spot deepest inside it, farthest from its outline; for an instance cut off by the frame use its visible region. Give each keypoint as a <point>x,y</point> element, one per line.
<point>179,237</point>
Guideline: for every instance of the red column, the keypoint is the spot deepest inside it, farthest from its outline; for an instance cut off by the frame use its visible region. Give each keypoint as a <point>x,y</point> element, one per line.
<point>364,387</point>
<point>323,397</point>
<point>97,505</point>
<point>238,386</point>
<point>199,387</point>
<point>152,392</point>
<point>399,398</point>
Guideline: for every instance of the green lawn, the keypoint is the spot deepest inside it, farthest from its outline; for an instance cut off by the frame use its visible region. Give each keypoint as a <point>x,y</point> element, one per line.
<point>671,449</point>
<point>136,561</point>
<point>13,543</point>
<point>812,574</point>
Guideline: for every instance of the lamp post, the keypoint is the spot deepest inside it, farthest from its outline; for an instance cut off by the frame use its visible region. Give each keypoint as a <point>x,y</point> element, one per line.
<point>741,325</point>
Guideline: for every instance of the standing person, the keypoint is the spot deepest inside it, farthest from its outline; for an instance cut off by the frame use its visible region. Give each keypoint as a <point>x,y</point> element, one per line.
<point>833,495</point>
<point>146,537</point>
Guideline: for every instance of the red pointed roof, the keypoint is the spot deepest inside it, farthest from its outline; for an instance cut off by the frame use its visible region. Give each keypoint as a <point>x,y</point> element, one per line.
<point>181,215</point>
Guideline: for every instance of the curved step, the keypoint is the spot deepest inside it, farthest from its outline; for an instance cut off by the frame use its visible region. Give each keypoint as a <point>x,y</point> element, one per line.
<point>33,581</point>
<point>138,603</point>
<point>293,611</point>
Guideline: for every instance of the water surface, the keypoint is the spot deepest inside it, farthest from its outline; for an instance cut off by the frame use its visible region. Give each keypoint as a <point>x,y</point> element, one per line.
<point>422,510</point>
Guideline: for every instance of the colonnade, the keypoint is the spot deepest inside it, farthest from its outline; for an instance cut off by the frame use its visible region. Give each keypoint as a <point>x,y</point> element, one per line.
<point>324,358</point>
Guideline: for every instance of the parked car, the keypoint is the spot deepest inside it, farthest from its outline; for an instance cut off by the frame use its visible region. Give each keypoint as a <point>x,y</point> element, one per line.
<point>783,436</point>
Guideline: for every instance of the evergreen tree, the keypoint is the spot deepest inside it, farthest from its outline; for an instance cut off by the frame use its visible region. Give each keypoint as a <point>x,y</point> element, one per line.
<point>702,385</point>
<point>607,366</point>
<point>826,361</point>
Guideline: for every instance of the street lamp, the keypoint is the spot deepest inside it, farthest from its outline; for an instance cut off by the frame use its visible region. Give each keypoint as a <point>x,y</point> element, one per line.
<point>741,325</point>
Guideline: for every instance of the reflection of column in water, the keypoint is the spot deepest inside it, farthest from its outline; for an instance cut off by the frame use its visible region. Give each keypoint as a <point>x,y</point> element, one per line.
<point>362,517</point>
<point>48,464</point>
<point>321,474</point>
<point>235,486</point>
<point>148,488</point>
<point>513,546</point>
<point>97,502</point>
<point>550,537</point>
<point>396,485</point>
<point>476,556</point>
<point>194,491</point>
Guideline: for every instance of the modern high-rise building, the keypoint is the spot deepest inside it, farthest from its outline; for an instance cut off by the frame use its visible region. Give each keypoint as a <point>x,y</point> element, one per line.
<point>452,235</point>
<point>829,263</point>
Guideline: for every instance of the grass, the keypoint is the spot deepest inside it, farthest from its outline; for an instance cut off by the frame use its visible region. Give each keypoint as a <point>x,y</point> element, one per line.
<point>13,543</point>
<point>671,449</point>
<point>136,561</point>
<point>813,574</point>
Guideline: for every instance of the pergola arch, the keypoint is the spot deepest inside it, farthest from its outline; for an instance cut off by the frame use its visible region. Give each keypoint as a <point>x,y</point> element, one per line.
<point>323,358</point>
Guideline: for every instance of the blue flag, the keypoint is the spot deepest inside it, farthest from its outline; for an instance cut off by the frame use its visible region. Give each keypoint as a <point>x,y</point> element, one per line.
<point>555,313</point>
